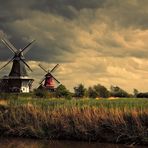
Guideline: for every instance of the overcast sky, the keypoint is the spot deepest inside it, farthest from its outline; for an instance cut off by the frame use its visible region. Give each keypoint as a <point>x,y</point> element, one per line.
<point>94,41</point>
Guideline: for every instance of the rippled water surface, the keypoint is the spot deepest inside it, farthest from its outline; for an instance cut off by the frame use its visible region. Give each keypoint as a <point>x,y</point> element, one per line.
<point>31,143</point>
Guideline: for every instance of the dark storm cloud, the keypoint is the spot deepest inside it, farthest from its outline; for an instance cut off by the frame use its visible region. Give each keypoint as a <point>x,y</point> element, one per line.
<point>9,9</point>
<point>23,21</point>
<point>126,13</point>
<point>67,8</point>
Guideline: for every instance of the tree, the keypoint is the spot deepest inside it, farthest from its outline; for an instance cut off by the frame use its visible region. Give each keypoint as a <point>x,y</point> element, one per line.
<point>135,92</point>
<point>98,91</point>
<point>91,93</point>
<point>79,91</point>
<point>61,91</point>
<point>101,91</point>
<point>118,92</point>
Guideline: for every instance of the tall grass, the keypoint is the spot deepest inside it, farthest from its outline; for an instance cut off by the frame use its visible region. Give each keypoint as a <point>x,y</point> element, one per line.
<point>117,121</point>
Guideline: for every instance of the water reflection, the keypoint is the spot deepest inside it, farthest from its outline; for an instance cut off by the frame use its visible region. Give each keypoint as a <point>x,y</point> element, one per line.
<point>30,143</point>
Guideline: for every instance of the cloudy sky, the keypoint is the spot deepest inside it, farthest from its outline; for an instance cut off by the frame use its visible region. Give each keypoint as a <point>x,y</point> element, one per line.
<point>94,41</point>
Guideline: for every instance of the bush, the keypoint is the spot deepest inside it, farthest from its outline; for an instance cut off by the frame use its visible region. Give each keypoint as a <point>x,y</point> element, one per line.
<point>9,95</point>
<point>42,93</point>
<point>142,95</point>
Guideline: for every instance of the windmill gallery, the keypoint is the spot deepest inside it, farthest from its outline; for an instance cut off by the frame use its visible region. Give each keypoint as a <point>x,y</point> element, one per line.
<point>18,79</point>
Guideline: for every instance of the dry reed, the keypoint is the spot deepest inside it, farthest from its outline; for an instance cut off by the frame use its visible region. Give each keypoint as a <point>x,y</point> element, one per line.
<point>86,123</point>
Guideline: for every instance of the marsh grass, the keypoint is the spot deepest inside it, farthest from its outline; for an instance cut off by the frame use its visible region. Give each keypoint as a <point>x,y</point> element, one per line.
<point>116,121</point>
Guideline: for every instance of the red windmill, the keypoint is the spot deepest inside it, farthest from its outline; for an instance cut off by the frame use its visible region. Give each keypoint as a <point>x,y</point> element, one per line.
<point>49,79</point>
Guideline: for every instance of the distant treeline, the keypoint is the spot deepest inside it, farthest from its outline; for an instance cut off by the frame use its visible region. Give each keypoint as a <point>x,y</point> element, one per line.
<point>96,91</point>
<point>80,91</point>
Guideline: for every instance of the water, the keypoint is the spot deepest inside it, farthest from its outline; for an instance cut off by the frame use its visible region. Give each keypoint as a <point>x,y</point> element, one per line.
<point>31,143</point>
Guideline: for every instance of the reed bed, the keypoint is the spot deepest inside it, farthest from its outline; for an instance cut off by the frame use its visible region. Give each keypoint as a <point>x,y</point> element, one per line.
<point>101,121</point>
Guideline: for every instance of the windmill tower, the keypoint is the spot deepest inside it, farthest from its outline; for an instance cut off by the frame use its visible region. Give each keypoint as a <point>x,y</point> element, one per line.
<point>49,80</point>
<point>17,80</point>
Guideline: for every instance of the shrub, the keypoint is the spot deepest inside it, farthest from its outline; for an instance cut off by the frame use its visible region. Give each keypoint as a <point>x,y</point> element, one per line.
<point>142,95</point>
<point>41,93</point>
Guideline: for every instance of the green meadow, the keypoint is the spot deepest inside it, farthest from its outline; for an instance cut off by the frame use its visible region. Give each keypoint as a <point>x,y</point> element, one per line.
<point>114,103</point>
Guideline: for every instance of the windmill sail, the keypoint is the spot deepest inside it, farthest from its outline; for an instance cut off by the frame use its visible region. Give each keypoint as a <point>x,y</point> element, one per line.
<point>17,80</point>
<point>18,67</point>
<point>9,45</point>
<point>49,80</point>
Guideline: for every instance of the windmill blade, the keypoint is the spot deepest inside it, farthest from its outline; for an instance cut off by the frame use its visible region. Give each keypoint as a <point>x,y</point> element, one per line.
<point>55,67</point>
<point>43,68</point>
<point>26,48</point>
<point>26,64</point>
<point>55,78</point>
<point>9,45</point>
<point>42,80</point>
<point>7,63</point>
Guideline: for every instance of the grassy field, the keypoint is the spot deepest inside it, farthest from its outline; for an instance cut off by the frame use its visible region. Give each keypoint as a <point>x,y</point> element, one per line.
<point>121,103</point>
<point>105,120</point>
